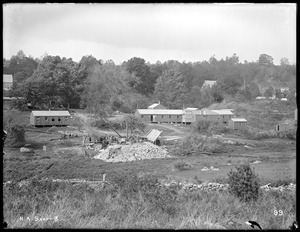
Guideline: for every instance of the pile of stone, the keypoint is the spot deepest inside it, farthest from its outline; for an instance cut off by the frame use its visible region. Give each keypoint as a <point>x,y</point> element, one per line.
<point>212,168</point>
<point>192,186</point>
<point>187,186</point>
<point>132,152</point>
<point>281,188</point>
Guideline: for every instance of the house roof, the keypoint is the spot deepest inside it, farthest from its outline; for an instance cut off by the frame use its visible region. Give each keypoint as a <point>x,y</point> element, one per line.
<point>208,83</point>
<point>238,120</point>
<point>153,134</point>
<point>7,78</point>
<point>12,98</point>
<point>160,111</point>
<point>191,109</point>
<point>51,113</point>
<point>208,112</point>
<point>223,112</point>
<point>153,105</point>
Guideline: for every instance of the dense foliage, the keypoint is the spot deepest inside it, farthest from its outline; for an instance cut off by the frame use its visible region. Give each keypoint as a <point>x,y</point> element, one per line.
<point>103,87</point>
<point>244,183</point>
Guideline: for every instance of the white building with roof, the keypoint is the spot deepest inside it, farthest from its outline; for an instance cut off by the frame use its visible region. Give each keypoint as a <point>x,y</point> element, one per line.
<point>50,118</point>
<point>160,115</point>
<point>237,123</point>
<point>7,81</point>
<point>208,84</point>
<point>156,106</point>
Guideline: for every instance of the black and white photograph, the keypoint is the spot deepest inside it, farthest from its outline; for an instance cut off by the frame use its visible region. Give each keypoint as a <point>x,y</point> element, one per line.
<point>178,116</point>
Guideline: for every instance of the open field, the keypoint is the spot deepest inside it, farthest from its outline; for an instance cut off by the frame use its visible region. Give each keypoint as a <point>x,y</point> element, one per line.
<point>67,159</point>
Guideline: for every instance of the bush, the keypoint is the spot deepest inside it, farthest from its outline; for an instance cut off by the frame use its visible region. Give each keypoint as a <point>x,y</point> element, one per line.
<point>244,183</point>
<point>180,165</point>
<point>15,136</point>
<point>195,144</point>
<point>201,126</point>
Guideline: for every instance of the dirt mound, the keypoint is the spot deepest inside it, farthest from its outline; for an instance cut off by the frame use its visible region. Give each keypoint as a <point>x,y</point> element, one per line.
<point>133,152</point>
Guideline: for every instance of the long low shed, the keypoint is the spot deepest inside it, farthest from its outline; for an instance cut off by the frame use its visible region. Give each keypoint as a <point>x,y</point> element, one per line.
<point>50,118</point>
<point>160,115</point>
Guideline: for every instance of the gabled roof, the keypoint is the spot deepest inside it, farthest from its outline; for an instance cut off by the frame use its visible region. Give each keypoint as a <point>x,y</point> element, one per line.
<point>208,83</point>
<point>208,112</point>
<point>160,111</point>
<point>238,120</point>
<point>153,134</point>
<point>51,113</point>
<point>191,109</point>
<point>223,112</point>
<point>153,105</point>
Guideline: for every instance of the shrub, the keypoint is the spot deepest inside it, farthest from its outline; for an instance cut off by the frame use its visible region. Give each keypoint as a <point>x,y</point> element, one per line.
<point>15,136</point>
<point>201,126</point>
<point>244,183</point>
<point>180,165</point>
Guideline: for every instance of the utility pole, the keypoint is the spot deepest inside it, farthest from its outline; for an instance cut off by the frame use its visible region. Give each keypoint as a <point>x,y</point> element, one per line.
<point>126,130</point>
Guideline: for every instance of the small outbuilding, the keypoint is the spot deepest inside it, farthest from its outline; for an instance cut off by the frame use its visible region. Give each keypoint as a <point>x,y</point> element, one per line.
<point>156,106</point>
<point>283,127</point>
<point>237,123</point>
<point>50,118</point>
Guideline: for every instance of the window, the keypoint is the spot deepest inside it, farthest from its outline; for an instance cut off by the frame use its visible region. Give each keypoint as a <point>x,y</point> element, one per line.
<point>177,116</point>
<point>52,119</point>
<point>59,119</point>
<point>66,118</point>
<point>169,116</point>
<point>142,116</point>
<point>223,116</point>
<point>38,119</point>
<point>46,118</point>
<point>162,116</point>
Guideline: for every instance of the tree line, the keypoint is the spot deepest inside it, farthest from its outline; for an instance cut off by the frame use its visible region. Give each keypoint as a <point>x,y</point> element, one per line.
<point>102,87</point>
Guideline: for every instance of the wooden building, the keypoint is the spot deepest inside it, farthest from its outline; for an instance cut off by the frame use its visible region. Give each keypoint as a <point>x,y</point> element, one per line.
<point>237,123</point>
<point>159,115</point>
<point>156,106</point>
<point>225,115</point>
<point>283,127</point>
<point>207,84</point>
<point>50,118</point>
<point>188,115</point>
<point>7,81</point>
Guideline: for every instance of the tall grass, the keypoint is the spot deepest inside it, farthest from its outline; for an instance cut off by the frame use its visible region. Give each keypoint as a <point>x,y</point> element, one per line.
<point>138,203</point>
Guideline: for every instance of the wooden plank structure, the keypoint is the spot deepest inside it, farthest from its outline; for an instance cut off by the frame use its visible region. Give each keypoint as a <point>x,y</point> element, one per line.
<point>237,123</point>
<point>50,118</point>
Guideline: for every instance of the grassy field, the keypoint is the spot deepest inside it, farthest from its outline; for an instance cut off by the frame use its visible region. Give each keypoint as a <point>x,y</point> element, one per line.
<point>135,203</point>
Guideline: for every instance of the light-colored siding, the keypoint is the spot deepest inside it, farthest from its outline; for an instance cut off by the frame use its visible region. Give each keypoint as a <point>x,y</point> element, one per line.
<point>49,120</point>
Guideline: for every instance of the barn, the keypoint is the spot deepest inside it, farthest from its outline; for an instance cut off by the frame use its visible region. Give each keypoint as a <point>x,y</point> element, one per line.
<point>285,126</point>
<point>237,123</point>
<point>50,118</point>
<point>160,115</point>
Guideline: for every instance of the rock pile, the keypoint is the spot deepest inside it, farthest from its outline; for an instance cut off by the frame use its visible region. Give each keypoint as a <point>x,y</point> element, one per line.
<point>211,168</point>
<point>133,152</point>
<point>216,186</point>
<point>281,188</point>
<point>192,186</point>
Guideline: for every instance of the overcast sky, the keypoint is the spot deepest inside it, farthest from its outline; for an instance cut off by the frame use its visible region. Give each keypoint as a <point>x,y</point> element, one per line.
<point>183,32</point>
